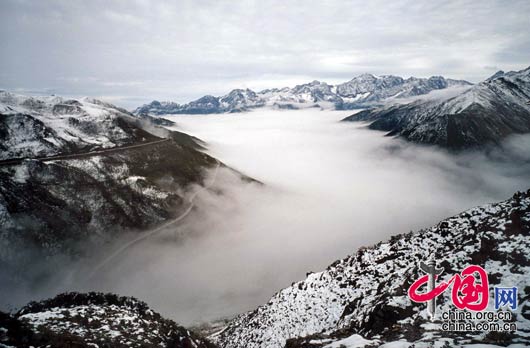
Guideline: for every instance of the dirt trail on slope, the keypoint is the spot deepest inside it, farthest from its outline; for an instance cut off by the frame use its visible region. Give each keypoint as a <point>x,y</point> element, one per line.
<point>15,161</point>
<point>157,230</point>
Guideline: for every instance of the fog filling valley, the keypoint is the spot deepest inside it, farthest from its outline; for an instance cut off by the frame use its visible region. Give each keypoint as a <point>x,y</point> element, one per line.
<point>329,188</point>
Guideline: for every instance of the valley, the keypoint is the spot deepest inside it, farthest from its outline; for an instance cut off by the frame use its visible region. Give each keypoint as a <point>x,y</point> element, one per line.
<point>313,188</point>
<point>264,174</point>
<point>329,188</point>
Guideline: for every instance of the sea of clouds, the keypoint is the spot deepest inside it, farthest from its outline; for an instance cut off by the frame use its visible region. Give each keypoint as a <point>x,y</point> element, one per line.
<point>328,188</point>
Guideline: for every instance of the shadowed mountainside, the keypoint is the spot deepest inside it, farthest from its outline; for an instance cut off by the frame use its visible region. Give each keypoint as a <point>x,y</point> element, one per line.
<point>483,115</point>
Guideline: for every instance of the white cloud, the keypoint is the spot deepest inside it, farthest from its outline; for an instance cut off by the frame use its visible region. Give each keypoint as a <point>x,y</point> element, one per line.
<point>214,45</point>
<point>331,187</point>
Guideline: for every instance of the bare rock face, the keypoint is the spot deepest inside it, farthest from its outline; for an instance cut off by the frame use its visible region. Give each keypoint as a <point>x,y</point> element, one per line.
<point>482,115</point>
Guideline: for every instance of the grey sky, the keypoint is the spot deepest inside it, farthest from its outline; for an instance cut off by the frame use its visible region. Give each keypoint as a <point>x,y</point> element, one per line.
<point>130,52</point>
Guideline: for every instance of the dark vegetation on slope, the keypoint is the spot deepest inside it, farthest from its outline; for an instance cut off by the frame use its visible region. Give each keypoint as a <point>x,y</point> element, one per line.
<point>61,202</point>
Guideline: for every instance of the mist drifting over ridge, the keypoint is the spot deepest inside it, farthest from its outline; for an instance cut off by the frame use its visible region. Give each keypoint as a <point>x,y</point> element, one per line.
<point>330,188</point>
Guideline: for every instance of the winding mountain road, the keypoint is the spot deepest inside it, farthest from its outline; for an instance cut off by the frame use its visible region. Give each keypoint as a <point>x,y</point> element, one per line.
<point>129,244</point>
<point>16,161</point>
<point>145,235</point>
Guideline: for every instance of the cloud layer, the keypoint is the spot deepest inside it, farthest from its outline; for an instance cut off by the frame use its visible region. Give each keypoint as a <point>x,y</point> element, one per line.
<point>330,188</point>
<point>132,51</point>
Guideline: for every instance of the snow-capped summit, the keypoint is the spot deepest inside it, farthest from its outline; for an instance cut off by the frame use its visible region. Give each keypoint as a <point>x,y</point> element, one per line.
<point>494,76</point>
<point>480,115</point>
<point>44,126</point>
<point>75,174</point>
<point>363,90</point>
<point>240,100</point>
<point>156,107</point>
<point>369,88</point>
<point>369,84</point>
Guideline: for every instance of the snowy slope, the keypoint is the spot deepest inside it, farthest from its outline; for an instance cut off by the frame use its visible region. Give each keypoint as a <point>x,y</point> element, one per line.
<point>482,114</point>
<point>94,320</point>
<point>359,92</point>
<point>69,207</point>
<point>368,88</point>
<point>365,294</point>
<point>44,126</point>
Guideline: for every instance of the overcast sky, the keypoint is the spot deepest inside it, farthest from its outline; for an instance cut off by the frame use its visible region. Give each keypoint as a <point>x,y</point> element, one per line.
<point>130,52</point>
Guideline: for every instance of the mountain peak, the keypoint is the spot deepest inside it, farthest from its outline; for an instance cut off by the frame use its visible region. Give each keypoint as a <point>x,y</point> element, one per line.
<point>361,91</point>
<point>91,320</point>
<point>365,76</point>
<point>499,104</point>
<point>496,75</point>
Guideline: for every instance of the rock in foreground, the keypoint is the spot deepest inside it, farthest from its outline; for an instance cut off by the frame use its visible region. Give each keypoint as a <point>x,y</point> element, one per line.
<point>93,320</point>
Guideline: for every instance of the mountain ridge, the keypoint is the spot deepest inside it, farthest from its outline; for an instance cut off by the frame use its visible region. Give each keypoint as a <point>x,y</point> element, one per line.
<point>361,91</point>
<point>44,126</point>
<point>358,301</point>
<point>93,320</point>
<point>77,175</point>
<point>484,114</point>
<point>363,297</point>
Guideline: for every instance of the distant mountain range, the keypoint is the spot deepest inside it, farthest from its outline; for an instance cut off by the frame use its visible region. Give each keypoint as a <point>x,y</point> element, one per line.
<point>453,114</point>
<point>484,114</point>
<point>362,91</point>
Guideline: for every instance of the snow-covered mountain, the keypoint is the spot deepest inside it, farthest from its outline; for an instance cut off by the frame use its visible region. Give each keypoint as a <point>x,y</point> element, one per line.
<point>483,114</point>
<point>359,92</point>
<point>365,89</point>
<point>362,299</point>
<point>44,126</point>
<point>93,320</point>
<point>116,173</point>
<point>359,301</point>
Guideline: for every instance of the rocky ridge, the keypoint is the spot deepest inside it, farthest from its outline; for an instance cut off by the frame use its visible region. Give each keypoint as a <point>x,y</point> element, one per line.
<point>362,299</point>
<point>362,91</point>
<point>482,115</point>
